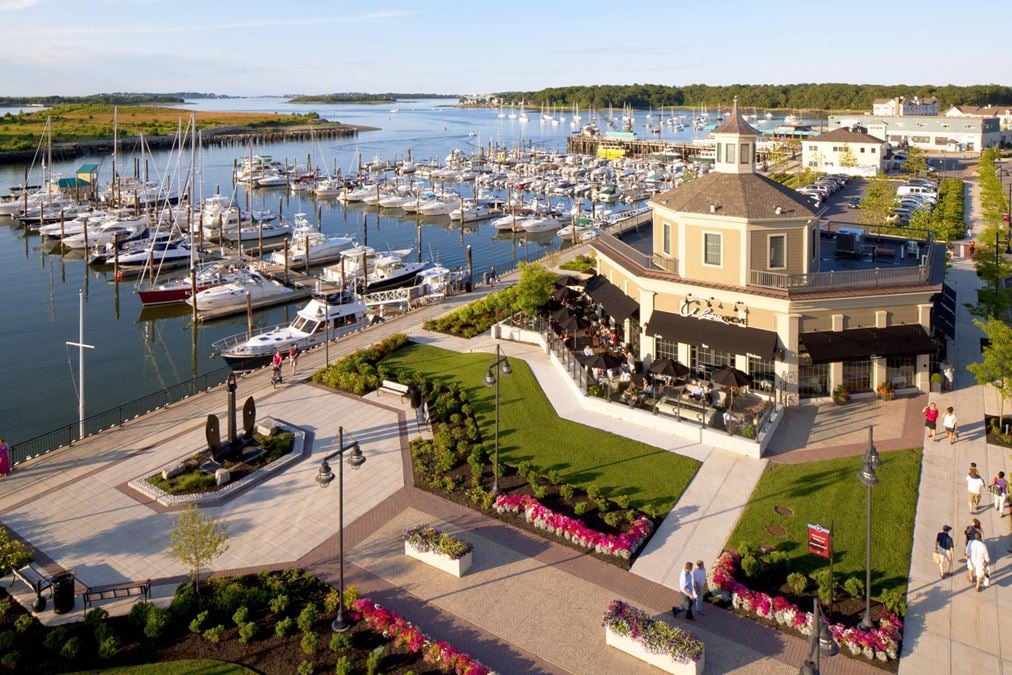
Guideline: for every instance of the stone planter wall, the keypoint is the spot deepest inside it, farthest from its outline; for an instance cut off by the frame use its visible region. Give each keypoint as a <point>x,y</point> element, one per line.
<point>457,568</point>
<point>660,661</point>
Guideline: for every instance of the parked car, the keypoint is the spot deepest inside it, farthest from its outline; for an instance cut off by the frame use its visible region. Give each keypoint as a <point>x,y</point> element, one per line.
<point>853,203</point>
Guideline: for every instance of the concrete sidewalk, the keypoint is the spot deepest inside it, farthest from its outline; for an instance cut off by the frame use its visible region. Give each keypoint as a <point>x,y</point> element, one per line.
<point>951,628</point>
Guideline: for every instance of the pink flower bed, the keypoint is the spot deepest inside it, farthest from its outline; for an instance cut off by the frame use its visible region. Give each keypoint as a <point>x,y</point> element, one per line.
<point>880,643</point>
<point>405,634</point>
<point>621,545</point>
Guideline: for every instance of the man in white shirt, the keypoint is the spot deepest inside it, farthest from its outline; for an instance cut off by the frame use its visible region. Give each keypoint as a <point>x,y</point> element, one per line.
<point>699,584</point>
<point>974,484</point>
<point>977,560</point>
<point>687,588</point>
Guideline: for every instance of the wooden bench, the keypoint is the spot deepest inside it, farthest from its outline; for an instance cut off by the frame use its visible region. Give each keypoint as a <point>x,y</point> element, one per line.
<point>37,580</point>
<point>122,590</point>
<point>395,388</point>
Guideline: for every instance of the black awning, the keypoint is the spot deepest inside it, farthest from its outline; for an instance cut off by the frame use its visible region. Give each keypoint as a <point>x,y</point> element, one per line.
<point>862,343</point>
<point>714,334</point>
<point>615,302</point>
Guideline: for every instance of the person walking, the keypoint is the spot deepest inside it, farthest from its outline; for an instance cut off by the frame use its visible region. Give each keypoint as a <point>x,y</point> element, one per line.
<point>972,531</point>
<point>931,413</point>
<point>943,551</point>
<point>949,421</point>
<point>699,584</point>
<point>293,357</point>
<point>999,491</point>
<point>688,591</point>
<point>974,484</point>
<point>5,458</point>
<point>276,365</point>
<point>949,373</point>
<point>978,561</point>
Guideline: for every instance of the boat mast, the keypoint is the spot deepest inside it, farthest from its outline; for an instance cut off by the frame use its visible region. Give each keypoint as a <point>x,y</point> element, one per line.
<point>115,146</point>
<point>49,154</point>
<point>80,366</point>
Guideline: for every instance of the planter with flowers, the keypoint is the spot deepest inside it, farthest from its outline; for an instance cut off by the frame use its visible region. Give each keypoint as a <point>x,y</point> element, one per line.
<point>841,394</point>
<point>881,643</point>
<point>660,644</point>
<point>438,549</point>
<point>886,391</point>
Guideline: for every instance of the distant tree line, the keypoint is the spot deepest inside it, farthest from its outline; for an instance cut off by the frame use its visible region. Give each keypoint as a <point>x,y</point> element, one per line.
<point>360,97</point>
<point>829,96</point>
<point>114,99</point>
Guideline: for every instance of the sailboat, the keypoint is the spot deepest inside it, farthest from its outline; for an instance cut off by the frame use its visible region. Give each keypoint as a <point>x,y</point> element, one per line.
<point>523,114</point>
<point>513,113</point>
<point>501,113</point>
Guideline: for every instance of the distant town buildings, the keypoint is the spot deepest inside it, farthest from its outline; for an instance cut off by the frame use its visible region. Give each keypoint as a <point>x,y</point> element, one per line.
<point>900,106</point>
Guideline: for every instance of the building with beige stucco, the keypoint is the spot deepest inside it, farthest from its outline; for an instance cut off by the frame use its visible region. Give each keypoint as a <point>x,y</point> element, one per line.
<point>739,272</point>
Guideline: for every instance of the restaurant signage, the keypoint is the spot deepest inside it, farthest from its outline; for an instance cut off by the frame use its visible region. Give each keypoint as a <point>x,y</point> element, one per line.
<point>698,308</point>
<point>820,540</point>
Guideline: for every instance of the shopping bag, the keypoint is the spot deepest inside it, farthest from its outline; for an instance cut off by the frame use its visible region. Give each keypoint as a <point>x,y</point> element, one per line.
<point>936,557</point>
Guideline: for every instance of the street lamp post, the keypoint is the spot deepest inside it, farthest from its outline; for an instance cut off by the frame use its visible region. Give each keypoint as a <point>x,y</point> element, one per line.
<point>492,378</point>
<point>821,641</point>
<point>869,479</point>
<point>325,477</point>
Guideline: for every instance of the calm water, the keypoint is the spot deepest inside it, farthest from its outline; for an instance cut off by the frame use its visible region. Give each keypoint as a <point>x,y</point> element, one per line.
<point>138,353</point>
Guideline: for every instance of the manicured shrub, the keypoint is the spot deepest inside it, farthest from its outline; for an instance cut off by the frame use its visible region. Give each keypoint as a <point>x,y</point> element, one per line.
<point>108,645</point>
<point>7,638</point>
<point>524,468</point>
<point>751,566</point>
<point>213,635</point>
<point>778,560</point>
<point>854,587</point>
<point>331,601</point>
<point>247,631</point>
<point>9,661</point>
<point>52,642</point>
<point>580,507</point>
<point>602,504</point>
<point>305,668</point>
<point>343,666</point>
<point>827,591</point>
<point>96,615</point>
<point>197,625</point>
<point>310,643</point>
<point>282,626</point>
<point>307,617</point>
<point>71,648</point>
<point>373,660</point>
<point>622,501</point>
<point>279,603</point>
<point>554,476</point>
<point>895,601</point>
<point>798,582</point>
<point>593,492</point>
<point>158,619</point>
<point>613,518</point>
<point>340,642</point>
<point>23,622</point>
<point>138,615</point>
<point>540,491</point>
<point>567,491</point>
<point>240,615</point>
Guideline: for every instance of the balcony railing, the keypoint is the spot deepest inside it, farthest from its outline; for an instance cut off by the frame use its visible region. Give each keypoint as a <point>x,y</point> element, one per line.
<point>840,278</point>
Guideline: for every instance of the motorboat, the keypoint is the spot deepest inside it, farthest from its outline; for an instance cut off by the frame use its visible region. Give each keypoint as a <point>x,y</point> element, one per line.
<point>252,285</point>
<point>162,254</point>
<point>320,247</point>
<point>178,290</point>
<point>470,212</point>
<point>392,271</point>
<point>536,224</point>
<point>439,207</point>
<point>257,231</point>
<point>396,201</point>
<point>329,187</point>
<point>325,316</point>
<point>113,231</point>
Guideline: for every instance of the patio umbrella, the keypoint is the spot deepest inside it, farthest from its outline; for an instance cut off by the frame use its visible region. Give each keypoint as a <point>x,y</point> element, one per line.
<point>562,314</point>
<point>566,281</point>
<point>573,323</point>
<point>668,367</point>
<point>563,293</point>
<point>603,361</point>
<point>731,377</point>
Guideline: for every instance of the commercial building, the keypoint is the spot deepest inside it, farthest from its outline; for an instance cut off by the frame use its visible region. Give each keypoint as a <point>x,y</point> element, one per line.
<point>850,151</point>
<point>738,272</point>
<point>935,134</point>
<point>901,106</point>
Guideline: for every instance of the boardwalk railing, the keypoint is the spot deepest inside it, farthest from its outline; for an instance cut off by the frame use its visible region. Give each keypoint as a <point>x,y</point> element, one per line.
<point>69,433</point>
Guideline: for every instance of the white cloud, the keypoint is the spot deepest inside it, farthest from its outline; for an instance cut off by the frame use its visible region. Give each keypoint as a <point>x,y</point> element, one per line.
<point>15,5</point>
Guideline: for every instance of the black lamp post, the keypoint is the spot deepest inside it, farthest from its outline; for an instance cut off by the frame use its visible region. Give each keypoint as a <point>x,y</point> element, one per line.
<point>821,641</point>
<point>325,477</point>
<point>492,378</point>
<point>869,479</point>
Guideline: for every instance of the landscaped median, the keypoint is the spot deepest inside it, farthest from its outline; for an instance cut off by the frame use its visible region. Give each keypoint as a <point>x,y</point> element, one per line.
<point>585,488</point>
<point>660,644</point>
<point>768,574</point>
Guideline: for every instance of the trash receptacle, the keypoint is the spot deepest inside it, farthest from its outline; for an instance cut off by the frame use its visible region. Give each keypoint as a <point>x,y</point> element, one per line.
<point>468,287</point>
<point>416,396</point>
<point>63,592</point>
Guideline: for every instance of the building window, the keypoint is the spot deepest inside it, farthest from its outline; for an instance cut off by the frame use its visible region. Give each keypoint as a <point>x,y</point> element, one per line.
<point>711,249</point>
<point>762,372</point>
<point>815,240</point>
<point>901,370</point>
<point>718,152</point>
<point>813,163</point>
<point>872,150</point>
<point>813,380</point>
<point>745,155</point>
<point>778,253</point>
<point>941,140</point>
<point>920,139</point>
<point>704,361</point>
<point>857,376</point>
<point>729,153</point>
<point>666,349</point>
<point>862,149</point>
<point>813,148</point>
<point>667,239</point>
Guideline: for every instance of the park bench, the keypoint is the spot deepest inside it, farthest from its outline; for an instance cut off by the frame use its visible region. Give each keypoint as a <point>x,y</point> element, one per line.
<point>125,589</point>
<point>395,388</point>
<point>35,579</point>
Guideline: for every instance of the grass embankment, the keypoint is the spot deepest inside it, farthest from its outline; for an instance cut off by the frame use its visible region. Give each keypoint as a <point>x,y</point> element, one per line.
<point>184,667</point>
<point>530,430</point>
<point>75,123</point>
<point>828,493</point>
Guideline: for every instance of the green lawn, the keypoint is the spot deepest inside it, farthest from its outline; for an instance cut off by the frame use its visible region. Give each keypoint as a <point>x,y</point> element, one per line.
<point>185,667</point>
<point>829,493</point>
<point>530,430</point>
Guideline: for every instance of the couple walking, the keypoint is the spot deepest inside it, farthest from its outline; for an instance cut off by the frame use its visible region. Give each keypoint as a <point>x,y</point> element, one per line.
<point>949,422</point>
<point>692,587</point>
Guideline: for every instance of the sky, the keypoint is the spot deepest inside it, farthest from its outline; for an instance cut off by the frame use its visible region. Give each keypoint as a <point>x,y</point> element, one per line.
<point>256,47</point>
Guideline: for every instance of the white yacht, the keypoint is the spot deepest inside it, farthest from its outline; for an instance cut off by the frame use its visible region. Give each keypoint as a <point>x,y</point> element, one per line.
<point>109,232</point>
<point>321,247</point>
<point>256,231</point>
<point>253,285</point>
<point>325,316</point>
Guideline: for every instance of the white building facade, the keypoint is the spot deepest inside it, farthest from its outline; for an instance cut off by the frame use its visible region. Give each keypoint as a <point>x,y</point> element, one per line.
<point>933,134</point>
<point>901,106</point>
<point>850,151</point>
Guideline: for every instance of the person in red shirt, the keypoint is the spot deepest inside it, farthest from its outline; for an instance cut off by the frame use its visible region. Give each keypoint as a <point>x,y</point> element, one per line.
<point>276,363</point>
<point>931,418</point>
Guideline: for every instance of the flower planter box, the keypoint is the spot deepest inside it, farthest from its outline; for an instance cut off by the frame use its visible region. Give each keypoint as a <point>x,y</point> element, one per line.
<point>441,562</point>
<point>661,661</point>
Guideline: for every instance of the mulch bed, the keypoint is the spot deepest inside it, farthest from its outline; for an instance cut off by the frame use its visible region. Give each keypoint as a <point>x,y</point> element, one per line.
<point>1004,440</point>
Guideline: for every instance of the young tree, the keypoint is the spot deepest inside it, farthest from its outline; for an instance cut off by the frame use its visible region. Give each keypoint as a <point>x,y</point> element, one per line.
<point>993,267</point>
<point>198,540</point>
<point>996,367</point>
<point>13,553</point>
<point>847,157</point>
<point>534,288</point>
<point>916,162</point>
<point>878,201</point>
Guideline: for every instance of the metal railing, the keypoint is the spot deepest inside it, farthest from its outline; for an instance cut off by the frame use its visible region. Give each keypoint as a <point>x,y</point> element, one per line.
<point>842,278</point>
<point>113,417</point>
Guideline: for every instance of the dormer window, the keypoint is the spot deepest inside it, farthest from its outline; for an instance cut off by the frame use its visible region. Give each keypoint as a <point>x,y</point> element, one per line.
<point>746,157</point>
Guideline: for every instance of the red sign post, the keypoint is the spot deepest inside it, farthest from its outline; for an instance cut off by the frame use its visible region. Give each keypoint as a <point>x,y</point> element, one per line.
<point>820,540</point>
